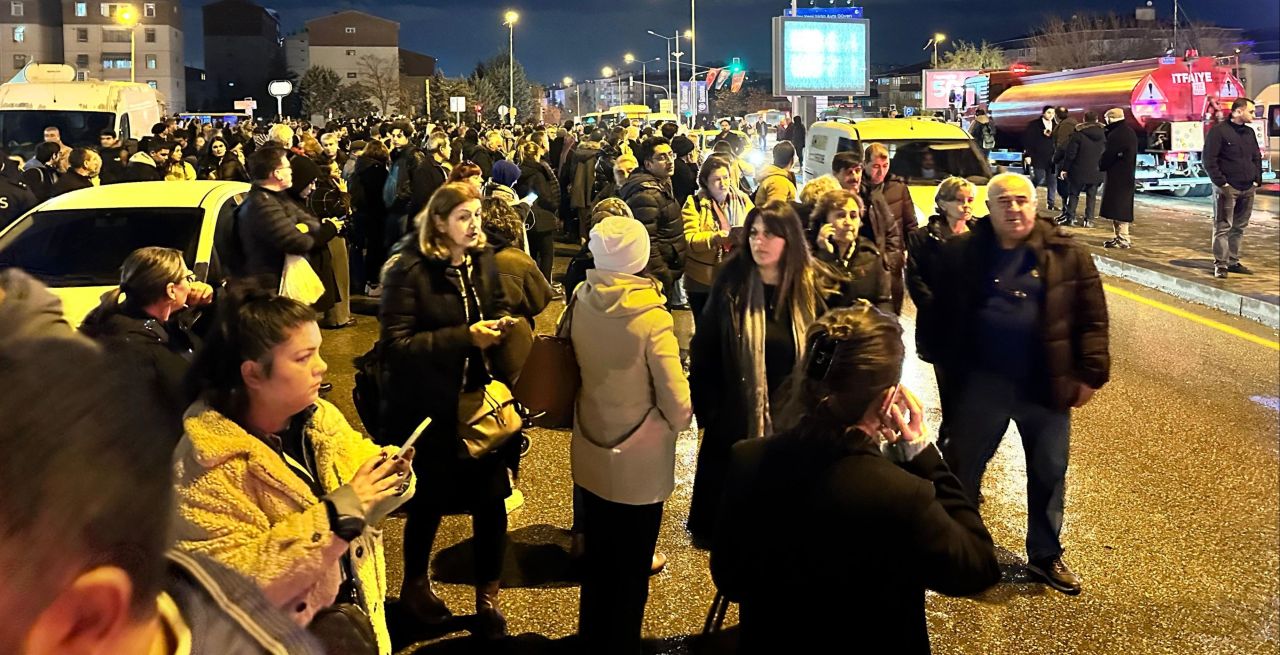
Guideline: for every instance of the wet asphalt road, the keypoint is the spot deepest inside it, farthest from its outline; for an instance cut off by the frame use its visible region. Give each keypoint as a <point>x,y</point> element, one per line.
<point>1172,514</point>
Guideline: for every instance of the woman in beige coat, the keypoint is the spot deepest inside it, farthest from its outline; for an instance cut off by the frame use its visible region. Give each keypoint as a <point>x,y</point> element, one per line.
<point>633,402</point>
<point>272,481</point>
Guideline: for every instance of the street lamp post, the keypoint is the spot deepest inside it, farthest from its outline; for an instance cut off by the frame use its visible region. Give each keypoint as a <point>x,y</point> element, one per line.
<point>668,39</point>
<point>510,21</point>
<point>127,15</point>
<point>937,38</point>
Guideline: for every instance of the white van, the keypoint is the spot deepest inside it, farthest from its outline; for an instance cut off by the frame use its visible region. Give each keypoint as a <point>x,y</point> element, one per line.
<point>48,95</point>
<point>910,141</point>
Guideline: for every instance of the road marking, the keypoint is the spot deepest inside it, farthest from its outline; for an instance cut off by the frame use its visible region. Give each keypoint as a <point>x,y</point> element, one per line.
<point>1221,327</point>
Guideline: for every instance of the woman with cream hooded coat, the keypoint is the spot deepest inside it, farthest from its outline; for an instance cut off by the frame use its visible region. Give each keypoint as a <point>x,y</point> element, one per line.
<point>633,402</point>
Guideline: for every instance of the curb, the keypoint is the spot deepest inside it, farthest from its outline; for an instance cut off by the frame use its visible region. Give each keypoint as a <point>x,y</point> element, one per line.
<point>1232,303</point>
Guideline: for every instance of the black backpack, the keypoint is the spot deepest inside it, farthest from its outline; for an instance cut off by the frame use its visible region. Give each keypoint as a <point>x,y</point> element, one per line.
<point>367,393</point>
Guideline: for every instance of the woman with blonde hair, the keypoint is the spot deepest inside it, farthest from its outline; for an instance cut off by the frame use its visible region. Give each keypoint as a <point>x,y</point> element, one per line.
<point>443,308</point>
<point>709,215</point>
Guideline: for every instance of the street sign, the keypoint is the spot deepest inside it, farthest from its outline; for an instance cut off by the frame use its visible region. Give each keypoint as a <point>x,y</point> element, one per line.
<point>909,111</point>
<point>280,88</point>
<point>502,110</point>
<point>457,103</point>
<point>664,106</point>
<point>245,105</point>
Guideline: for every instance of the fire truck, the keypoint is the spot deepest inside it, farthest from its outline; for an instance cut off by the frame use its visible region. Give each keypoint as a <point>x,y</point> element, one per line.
<point>1171,102</point>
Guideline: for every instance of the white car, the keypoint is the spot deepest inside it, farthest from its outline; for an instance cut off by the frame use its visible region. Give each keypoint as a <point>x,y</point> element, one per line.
<point>76,242</point>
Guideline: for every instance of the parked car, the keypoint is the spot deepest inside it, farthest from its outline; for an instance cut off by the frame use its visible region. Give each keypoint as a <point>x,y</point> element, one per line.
<point>910,141</point>
<point>75,243</point>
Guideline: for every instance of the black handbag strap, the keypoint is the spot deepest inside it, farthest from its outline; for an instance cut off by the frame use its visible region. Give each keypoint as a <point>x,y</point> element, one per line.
<point>350,585</point>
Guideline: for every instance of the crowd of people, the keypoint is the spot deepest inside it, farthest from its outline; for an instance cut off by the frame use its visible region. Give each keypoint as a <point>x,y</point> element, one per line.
<point>809,441</point>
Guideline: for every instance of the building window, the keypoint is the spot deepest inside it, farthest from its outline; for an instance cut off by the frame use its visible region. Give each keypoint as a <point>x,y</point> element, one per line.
<point>151,61</point>
<point>350,53</point>
<point>116,61</point>
<point>351,76</point>
<point>150,35</point>
<point>82,35</point>
<point>19,61</point>
<point>20,34</point>
<point>153,84</point>
<point>82,76</point>
<point>115,36</point>
<point>17,9</point>
<point>82,9</point>
<point>82,61</point>
<point>350,30</point>
<point>149,10</point>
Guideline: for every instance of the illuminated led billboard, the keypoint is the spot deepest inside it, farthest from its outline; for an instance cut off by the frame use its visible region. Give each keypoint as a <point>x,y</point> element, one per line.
<point>820,56</point>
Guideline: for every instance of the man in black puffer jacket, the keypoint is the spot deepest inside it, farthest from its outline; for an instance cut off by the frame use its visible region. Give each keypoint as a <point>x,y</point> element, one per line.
<point>1080,168</point>
<point>1029,343</point>
<point>649,194</point>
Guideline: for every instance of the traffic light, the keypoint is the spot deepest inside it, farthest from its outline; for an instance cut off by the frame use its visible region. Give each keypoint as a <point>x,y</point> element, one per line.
<point>735,66</point>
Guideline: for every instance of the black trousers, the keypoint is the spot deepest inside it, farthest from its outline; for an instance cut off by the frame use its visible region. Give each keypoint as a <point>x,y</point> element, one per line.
<point>542,245</point>
<point>489,540</point>
<point>697,300</point>
<point>620,540</point>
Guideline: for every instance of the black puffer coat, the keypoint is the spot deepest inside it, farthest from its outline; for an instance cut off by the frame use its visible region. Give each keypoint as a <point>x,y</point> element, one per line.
<point>538,178</point>
<point>654,204</point>
<point>426,346</point>
<point>923,247</point>
<point>863,274</point>
<point>267,228</point>
<point>1084,151</point>
<point>1073,318</point>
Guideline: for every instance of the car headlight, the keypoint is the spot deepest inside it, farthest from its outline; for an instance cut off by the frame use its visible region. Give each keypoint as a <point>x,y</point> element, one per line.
<point>755,158</point>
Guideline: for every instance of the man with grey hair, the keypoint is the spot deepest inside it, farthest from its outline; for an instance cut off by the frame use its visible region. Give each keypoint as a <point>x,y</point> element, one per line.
<point>1119,162</point>
<point>1031,344</point>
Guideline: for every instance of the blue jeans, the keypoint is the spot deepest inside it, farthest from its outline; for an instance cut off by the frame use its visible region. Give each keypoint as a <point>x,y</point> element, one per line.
<point>1044,177</point>
<point>980,416</point>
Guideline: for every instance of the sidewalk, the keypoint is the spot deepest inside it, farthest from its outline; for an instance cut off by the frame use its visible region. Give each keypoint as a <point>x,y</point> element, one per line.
<point>1171,253</point>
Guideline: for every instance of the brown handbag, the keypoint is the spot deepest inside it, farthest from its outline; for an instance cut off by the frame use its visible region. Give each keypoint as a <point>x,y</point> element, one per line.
<point>487,417</point>
<point>549,382</point>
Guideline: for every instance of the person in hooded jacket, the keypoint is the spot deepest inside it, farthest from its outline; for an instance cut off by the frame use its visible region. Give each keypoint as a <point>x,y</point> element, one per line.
<point>145,165</point>
<point>146,324</point>
<point>16,198</point>
<point>41,177</point>
<point>538,178</point>
<point>581,169</point>
<point>648,192</point>
<point>527,291</point>
<point>685,180</point>
<point>582,261</point>
<point>633,402</point>
<point>329,210</point>
<point>1080,168</point>
<point>776,181</point>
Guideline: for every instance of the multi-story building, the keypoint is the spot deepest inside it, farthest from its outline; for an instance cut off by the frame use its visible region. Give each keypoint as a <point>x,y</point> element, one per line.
<point>347,43</point>
<point>30,31</point>
<point>97,44</point>
<point>243,52</point>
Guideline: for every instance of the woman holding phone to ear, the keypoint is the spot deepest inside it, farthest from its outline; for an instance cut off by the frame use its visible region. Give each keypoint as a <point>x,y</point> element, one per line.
<point>443,312</point>
<point>849,506</point>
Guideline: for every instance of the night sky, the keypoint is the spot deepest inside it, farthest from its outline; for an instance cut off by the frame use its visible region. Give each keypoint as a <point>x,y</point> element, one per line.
<point>555,38</point>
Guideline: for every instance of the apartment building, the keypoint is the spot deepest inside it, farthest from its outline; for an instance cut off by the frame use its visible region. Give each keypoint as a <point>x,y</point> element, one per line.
<point>243,51</point>
<point>343,42</point>
<point>97,45</point>
<point>30,31</point>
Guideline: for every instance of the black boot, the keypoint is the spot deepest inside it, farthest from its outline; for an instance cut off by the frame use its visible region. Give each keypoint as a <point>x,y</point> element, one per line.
<point>490,623</point>
<point>422,603</point>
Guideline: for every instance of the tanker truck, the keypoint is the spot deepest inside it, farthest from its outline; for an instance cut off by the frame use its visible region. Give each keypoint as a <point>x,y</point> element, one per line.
<point>1171,102</point>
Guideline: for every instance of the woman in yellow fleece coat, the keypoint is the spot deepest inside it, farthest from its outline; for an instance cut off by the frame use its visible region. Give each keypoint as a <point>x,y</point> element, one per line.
<point>272,481</point>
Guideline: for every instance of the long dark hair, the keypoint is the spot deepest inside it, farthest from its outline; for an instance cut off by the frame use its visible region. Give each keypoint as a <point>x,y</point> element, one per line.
<point>852,356</point>
<point>252,321</point>
<point>145,277</point>
<point>802,283</point>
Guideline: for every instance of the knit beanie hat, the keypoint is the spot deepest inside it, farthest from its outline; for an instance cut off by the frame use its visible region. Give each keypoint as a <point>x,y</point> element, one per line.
<point>611,206</point>
<point>505,172</point>
<point>620,245</point>
<point>682,145</point>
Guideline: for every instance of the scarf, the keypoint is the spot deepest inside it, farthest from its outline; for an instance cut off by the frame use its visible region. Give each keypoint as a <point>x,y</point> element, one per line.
<point>751,352</point>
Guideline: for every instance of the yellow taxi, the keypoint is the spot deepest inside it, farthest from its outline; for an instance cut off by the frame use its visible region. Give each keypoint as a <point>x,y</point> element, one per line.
<point>75,243</point>
<point>923,151</point>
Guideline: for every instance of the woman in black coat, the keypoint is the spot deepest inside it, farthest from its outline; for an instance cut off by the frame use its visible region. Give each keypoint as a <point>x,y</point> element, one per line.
<point>146,324</point>
<point>748,338</point>
<point>1119,161</point>
<point>442,312</point>
<point>818,513</point>
<point>368,211</point>
<point>837,218</point>
<point>537,177</point>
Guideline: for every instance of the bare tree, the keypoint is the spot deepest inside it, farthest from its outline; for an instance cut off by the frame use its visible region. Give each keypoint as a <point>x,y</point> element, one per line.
<point>380,77</point>
<point>1085,40</point>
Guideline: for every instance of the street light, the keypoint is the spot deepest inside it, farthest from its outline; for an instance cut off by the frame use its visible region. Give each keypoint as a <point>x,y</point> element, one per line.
<point>577,94</point>
<point>510,21</point>
<point>128,16</point>
<point>937,38</point>
<point>644,75</point>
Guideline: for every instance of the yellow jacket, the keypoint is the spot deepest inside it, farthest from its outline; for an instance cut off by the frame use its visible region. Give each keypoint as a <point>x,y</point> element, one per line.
<point>775,184</point>
<point>701,227</point>
<point>187,174</point>
<point>239,503</point>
